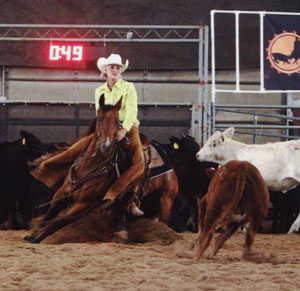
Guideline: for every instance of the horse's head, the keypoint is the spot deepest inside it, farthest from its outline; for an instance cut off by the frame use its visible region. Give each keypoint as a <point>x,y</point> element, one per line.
<point>107,124</point>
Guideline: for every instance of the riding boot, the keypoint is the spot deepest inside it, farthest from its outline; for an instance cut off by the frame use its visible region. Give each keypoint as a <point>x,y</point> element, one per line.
<point>135,210</point>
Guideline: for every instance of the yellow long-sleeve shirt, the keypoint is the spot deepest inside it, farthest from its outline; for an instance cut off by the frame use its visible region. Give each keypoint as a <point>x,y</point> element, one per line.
<point>129,111</point>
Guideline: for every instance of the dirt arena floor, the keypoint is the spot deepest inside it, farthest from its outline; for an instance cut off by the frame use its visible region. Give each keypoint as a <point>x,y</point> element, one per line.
<point>157,259</point>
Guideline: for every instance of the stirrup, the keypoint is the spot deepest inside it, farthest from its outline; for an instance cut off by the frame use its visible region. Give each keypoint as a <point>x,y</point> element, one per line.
<point>135,210</point>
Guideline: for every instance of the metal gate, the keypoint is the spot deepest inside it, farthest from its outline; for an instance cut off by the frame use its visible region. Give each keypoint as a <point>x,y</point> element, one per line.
<point>129,33</point>
<point>59,122</point>
<point>281,114</point>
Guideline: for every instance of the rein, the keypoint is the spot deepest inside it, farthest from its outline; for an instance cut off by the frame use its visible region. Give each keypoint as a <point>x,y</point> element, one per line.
<point>91,172</point>
<point>96,171</point>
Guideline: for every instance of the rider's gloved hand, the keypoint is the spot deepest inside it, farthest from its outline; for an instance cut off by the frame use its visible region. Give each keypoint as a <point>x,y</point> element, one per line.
<point>121,133</point>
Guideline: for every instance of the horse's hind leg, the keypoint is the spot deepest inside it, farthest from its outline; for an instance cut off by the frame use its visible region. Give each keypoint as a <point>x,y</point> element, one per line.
<point>168,195</point>
<point>74,213</point>
<point>165,206</point>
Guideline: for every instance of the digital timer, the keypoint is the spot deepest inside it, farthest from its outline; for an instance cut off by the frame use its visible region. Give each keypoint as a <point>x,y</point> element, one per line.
<point>75,55</point>
<point>66,52</point>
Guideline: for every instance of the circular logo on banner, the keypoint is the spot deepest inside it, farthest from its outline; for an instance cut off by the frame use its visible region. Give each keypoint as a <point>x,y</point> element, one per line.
<point>284,53</point>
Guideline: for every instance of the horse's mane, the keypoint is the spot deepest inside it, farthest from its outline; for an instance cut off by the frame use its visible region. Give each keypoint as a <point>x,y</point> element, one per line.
<point>91,128</point>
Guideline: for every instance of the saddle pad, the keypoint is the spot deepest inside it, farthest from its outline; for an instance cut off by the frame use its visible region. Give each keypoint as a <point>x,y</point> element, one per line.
<point>156,160</point>
<point>160,163</point>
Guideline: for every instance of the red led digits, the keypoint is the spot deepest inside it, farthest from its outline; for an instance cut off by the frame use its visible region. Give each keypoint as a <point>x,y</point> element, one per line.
<point>77,53</point>
<point>66,52</point>
<point>54,53</point>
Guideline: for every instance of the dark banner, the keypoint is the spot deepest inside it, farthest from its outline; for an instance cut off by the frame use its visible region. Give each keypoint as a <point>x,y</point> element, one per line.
<point>281,52</point>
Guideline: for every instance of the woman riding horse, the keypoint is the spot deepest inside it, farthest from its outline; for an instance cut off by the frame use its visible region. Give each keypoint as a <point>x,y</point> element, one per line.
<point>113,89</point>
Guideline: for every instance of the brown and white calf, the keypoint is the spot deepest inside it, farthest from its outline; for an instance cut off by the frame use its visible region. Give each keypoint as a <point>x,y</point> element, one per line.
<point>237,194</point>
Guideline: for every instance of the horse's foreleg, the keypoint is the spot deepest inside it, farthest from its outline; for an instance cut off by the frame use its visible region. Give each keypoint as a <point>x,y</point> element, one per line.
<point>58,203</point>
<point>55,208</point>
<point>74,213</point>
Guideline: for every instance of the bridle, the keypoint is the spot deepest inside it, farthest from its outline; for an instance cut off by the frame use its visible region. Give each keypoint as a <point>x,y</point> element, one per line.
<point>98,170</point>
<point>99,123</point>
<point>104,168</point>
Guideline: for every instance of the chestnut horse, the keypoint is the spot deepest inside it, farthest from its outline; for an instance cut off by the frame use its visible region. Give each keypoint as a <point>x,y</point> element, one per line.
<point>94,171</point>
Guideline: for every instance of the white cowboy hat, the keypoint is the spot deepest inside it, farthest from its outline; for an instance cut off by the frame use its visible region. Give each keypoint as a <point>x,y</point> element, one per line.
<point>113,59</point>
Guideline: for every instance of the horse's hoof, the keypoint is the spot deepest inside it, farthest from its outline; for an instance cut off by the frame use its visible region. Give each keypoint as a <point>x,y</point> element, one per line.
<point>35,241</point>
<point>123,234</point>
<point>42,223</point>
<point>29,238</point>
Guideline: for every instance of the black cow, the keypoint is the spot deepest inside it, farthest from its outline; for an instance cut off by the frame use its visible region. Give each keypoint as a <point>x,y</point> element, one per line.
<point>185,144</point>
<point>193,182</point>
<point>19,191</point>
<point>16,189</point>
<point>286,207</point>
<point>193,185</point>
<point>30,144</point>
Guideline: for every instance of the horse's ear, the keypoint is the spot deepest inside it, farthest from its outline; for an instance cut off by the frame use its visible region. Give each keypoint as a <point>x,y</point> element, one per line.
<point>101,100</point>
<point>119,103</point>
